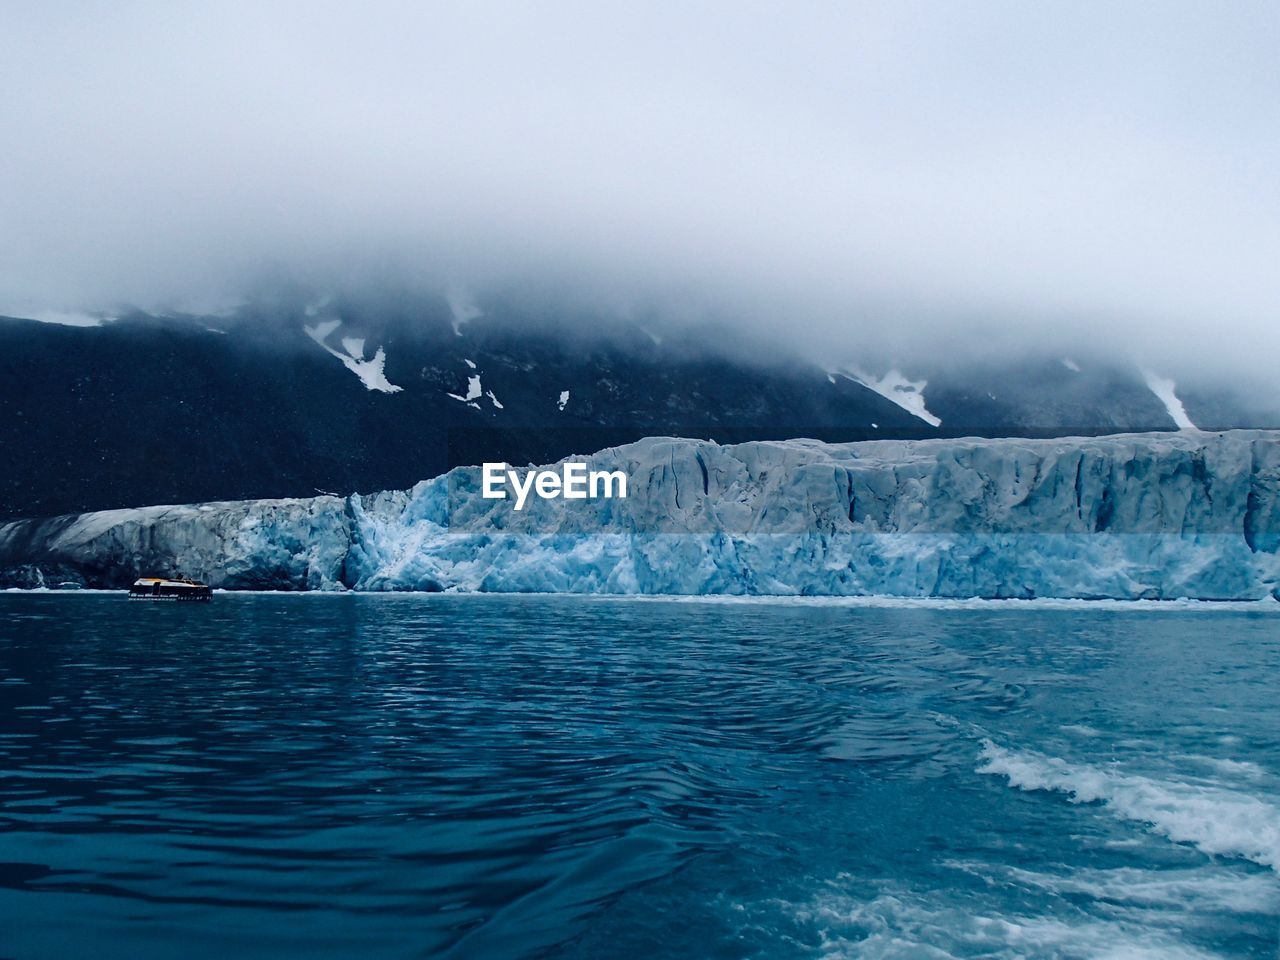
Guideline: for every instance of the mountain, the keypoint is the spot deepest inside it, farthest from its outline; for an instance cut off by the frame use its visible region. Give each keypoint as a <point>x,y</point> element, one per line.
<point>1156,516</point>
<point>291,399</point>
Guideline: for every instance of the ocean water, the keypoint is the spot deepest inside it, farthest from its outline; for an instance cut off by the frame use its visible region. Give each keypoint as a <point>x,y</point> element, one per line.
<point>416,776</point>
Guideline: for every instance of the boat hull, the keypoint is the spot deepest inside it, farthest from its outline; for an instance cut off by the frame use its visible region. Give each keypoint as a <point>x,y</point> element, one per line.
<point>170,588</point>
<point>198,598</point>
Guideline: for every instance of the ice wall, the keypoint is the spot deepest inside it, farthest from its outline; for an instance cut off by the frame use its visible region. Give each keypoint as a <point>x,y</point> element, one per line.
<point>1150,515</point>
<point>251,544</point>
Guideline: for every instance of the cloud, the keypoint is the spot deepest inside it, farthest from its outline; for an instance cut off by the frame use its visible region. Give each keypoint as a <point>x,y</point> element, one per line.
<point>907,176</point>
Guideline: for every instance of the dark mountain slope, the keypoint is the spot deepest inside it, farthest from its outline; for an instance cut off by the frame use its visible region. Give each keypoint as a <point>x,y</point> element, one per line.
<point>142,411</point>
<point>274,401</point>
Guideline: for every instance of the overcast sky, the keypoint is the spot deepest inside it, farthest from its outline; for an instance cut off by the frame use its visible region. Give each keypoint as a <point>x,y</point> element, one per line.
<point>894,173</point>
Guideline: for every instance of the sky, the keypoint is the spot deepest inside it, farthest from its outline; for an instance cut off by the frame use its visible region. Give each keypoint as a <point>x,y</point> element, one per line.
<point>897,176</point>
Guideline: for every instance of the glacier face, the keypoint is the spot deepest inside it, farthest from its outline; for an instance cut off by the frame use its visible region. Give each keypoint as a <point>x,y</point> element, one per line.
<point>1132,516</point>
<point>262,544</point>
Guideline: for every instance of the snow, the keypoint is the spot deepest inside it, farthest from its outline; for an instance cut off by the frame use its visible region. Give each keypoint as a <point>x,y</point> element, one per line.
<point>1164,391</point>
<point>908,394</point>
<point>1145,516</point>
<point>1071,364</point>
<point>320,332</point>
<point>463,308</point>
<point>66,318</point>
<point>371,372</point>
<point>473,391</point>
<point>564,399</point>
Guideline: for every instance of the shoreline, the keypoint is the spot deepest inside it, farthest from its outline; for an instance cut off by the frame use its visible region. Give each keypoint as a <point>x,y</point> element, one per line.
<point>880,601</point>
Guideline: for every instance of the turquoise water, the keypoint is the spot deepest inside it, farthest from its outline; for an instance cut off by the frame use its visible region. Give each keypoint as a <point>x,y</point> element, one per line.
<point>411,776</point>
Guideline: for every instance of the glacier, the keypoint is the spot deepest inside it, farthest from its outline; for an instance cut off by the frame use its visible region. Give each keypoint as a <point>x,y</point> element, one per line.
<point>1137,516</point>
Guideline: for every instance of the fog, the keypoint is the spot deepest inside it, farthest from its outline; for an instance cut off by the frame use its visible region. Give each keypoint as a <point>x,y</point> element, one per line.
<point>903,177</point>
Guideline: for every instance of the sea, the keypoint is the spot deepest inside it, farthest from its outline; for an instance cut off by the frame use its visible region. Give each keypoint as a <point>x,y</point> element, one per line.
<point>409,776</point>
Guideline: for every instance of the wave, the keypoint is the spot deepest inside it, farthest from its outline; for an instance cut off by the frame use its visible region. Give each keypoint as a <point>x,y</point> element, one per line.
<point>903,925</point>
<point>1014,913</point>
<point>1177,892</point>
<point>1215,819</point>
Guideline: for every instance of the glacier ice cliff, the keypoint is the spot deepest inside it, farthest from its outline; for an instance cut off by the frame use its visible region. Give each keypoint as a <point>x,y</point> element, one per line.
<point>1129,517</point>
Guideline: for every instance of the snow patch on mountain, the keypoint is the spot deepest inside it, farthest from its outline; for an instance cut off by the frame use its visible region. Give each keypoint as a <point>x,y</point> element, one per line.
<point>66,318</point>
<point>370,371</point>
<point>320,332</point>
<point>1164,389</point>
<point>463,308</point>
<point>894,386</point>
<point>474,392</point>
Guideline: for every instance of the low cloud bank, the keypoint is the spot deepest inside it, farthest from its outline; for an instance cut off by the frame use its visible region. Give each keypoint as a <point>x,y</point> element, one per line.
<point>909,178</point>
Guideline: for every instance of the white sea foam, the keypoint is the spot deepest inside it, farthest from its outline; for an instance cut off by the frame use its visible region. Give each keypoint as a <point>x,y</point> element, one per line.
<point>1081,730</point>
<point>908,926</point>
<point>1213,818</point>
<point>1237,769</point>
<point>1058,913</point>
<point>1196,890</point>
<point>1176,893</point>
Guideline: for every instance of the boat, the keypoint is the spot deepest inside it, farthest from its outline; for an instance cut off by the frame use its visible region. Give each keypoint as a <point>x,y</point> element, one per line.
<point>169,588</point>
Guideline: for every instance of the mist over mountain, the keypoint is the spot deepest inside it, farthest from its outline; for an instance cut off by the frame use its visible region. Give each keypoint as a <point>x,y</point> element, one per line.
<point>292,246</point>
<point>380,389</point>
<point>922,181</point>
